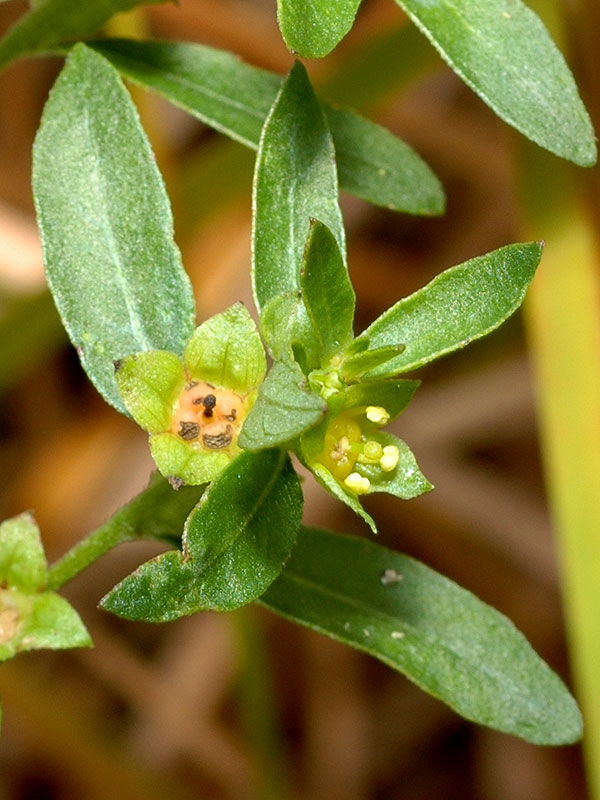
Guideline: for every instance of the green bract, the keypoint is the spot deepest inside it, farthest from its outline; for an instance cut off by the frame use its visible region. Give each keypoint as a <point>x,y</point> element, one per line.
<point>193,408</point>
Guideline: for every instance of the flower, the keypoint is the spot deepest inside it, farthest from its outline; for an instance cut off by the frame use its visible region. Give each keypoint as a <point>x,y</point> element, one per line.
<point>193,408</point>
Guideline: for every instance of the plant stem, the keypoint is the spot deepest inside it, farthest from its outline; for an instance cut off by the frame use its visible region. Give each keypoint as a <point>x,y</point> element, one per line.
<point>156,513</point>
<point>86,552</point>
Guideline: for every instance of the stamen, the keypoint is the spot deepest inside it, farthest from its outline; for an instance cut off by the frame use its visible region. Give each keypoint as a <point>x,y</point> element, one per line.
<point>357,483</point>
<point>389,459</point>
<point>377,414</point>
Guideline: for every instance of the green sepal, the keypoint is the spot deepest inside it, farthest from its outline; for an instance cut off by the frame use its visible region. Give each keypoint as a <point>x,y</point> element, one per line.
<point>150,384</point>
<point>226,350</point>
<point>31,618</point>
<point>284,409</point>
<point>182,464</point>
<point>36,621</point>
<point>327,291</point>
<point>235,544</point>
<point>326,479</point>
<point>405,481</point>
<point>23,563</point>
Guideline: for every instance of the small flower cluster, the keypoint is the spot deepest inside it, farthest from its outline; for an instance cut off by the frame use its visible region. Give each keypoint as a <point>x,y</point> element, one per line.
<point>347,447</point>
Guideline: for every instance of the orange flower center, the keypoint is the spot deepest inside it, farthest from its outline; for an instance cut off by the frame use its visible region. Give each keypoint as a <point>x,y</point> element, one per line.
<point>207,415</point>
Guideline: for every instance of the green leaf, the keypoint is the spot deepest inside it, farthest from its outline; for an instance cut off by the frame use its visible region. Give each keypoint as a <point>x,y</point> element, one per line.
<point>405,481</point>
<point>357,365</point>
<point>381,168</point>
<point>295,180</point>
<point>283,410</point>
<point>106,225</point>
<point>236,542</point>
<point>439,635</point>
<point>312,28</point>
<point>36,621</point>
<point>459,305</point>
<point>327,292</point>
<point>22,558</point>
<point>502,50</point>
<point>51,22</point>
<point>226,350</point>
<point>234,98</point>
<point>149,384</point>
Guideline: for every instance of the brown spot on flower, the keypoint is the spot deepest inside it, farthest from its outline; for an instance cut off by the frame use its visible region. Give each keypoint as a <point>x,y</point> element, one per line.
<point>217,441</point>
<point>189,430</point>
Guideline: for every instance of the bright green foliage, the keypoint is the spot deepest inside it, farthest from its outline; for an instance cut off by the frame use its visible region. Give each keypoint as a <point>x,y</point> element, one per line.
<point>502,50</point>
<point>312,28</point>
<point>440,636</point>
<point>235,544</point>
<point>223,363</point>
<point>458,306</point>
<point>234,98</point>
<point>295,181</point>
<point>283,410</point>
<point>106,226</point>
<point>31,617</point>
<point>51,22</point>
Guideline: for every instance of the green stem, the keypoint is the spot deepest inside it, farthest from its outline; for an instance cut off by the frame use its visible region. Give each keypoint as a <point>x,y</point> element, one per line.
<point>156,513</point>
<point>86,552</point>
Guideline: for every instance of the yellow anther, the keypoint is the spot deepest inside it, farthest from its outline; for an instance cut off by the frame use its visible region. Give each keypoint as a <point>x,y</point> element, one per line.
<point>389,459</point>
<point>357,483</point>
<point>377,415</point>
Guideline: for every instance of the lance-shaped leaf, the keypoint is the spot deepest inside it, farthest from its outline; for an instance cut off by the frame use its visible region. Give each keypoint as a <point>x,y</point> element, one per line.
<point>459,305</point>
<point>439,635</point>
<point>283,410</point>
<point>235,544</point>
<point>327,292</point>
<point>30,617</point>
<point>358,364</point>
<point>312,28</point>
<point>381,168</point>
<point>295,180</point>
<point>502,50</point>
<point>234,98</point>
<point>51,22</point>
<point>106,225</point>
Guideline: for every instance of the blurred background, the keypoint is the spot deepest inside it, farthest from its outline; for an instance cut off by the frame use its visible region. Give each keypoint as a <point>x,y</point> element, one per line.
<point>245,705</point>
